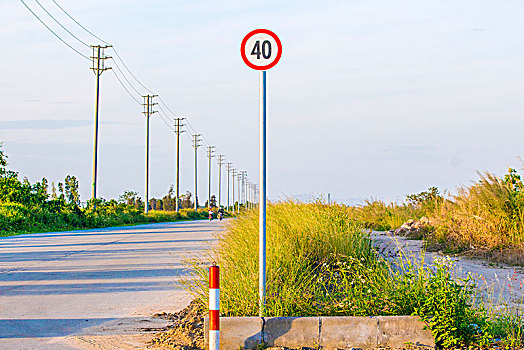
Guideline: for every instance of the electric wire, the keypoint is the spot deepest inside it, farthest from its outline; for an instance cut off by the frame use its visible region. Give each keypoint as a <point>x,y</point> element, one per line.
<point>129,70</point>
<point>164,115</point>
<point>167,124</point>
<point>122,84</point>
<point>56,35</point>
<point>60,24</point>
<point>81,26</point>
<point>167,107</point>
<point>123,75</point>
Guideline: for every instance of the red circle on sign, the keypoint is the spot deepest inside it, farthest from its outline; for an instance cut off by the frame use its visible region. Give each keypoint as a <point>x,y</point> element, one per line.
<point>243,49</point>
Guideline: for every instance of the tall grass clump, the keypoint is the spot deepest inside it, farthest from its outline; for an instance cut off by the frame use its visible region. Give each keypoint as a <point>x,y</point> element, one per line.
<point>300,237</point>
<point>487,216</point>
<point>321,262</point>
<point>382,216</point>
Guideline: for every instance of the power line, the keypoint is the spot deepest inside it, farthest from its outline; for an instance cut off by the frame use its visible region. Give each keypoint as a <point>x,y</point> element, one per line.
<point>165,114</point>
<point>127,68</point>
<point>114,50</point>
<point>173,113</point>
<point>165,122</point>
<point>60,24</point>
<point>56,35</point>
<point>123,75</point>
<point>81,26</point>
<point>114,61</point>
<point>122,84</point>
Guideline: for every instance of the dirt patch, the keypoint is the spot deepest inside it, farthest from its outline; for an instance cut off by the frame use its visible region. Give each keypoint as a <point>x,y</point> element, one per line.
<point>186,332</point>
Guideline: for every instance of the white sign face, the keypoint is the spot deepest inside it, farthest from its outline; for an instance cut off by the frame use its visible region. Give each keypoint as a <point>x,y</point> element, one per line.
<point>261,49</point>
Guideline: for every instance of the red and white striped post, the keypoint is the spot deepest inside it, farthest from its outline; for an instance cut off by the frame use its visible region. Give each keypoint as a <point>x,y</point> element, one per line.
<point>214,308</point>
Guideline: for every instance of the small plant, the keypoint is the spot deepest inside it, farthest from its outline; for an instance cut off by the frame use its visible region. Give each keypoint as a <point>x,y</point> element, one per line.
<point>447,309</point>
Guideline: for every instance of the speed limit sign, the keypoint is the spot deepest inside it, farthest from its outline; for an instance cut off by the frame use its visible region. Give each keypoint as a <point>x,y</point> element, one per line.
<point>261,49</point>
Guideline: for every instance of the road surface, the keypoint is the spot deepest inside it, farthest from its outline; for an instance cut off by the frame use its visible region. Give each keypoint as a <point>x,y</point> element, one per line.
<point>94,289</point>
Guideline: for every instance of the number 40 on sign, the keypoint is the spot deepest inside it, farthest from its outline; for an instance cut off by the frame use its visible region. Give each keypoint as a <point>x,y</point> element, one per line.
<point>261,49</point>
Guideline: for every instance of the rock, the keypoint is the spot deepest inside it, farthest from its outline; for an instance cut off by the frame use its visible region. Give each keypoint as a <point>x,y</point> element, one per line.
<point>412,227</point>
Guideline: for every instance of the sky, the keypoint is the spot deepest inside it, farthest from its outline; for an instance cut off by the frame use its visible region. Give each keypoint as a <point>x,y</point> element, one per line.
<point>371,99</point>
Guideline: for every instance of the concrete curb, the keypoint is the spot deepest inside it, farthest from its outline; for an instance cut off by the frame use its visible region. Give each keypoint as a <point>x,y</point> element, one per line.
<point>329,333</point>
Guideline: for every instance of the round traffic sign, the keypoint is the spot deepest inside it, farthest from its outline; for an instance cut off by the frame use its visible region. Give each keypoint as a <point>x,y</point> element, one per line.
<point>261,49</point>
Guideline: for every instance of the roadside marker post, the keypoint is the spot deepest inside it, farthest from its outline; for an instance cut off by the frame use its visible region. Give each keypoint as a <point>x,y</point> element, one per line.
<point>261,50</point>
<point>214,307</point>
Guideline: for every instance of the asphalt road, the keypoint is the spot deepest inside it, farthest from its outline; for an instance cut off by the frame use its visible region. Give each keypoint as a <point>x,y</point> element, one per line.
<point>94,289</point>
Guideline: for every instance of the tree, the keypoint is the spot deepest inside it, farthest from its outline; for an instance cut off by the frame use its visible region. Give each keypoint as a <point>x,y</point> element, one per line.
<point>128,197</point>
<point>3,162</point>
<point>427,199</point>
<point>61,189</point>
<point>40,191</point>
<point>53,190</point>
<point>513,180</point>
<point>168,201</point>
<point>185,201</point>
<point>213,201</point>
<point>153,203</point>
<point>71,190</point>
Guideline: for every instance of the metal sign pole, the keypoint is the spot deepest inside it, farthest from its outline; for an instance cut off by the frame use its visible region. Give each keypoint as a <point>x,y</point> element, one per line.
<point>262,199</point>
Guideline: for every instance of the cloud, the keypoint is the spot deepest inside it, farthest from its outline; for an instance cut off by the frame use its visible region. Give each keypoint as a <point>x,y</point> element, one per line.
<point>46,124</point>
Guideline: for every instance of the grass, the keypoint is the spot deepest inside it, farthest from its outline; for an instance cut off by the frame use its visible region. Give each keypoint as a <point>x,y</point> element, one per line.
<point>16,218</point>
<point>320,262</point>
<point>382,216</point>
<point>484,219</point>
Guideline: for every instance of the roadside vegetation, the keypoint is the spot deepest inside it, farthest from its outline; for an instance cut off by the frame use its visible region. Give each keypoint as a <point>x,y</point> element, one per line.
<point>484,219</point>
<point>320,261</point>
<point>26,207</point>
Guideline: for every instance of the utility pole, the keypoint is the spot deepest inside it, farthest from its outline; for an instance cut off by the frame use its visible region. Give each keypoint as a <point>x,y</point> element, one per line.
<point>220,162</point>
<point>228,174</point>
<point>233,171</point>
<point>98,68</point>
<point>252,195</point>
<point>178,131</point>
<point>196,144</point>
<point>148,111</point>
<point>210,152</point>
<point>255,194</point>
<point>239,176</point>
<point>246,196</point>
<point>244,178</point>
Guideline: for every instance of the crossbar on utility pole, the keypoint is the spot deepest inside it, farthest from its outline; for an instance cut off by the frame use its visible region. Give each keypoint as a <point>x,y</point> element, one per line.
<point>196,144</point>
<point>148,111</point>
<point>98,68</point>
<point>178,131</point>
